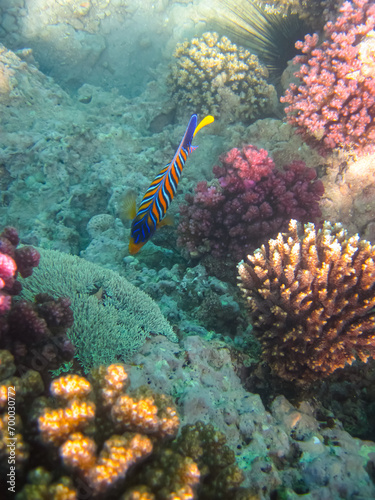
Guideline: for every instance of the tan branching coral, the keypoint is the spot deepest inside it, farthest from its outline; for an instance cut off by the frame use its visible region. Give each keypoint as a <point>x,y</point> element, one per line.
<point>213,75</point>
<point>119,453</point>
<point>312,300</point>
<point>71,426</point>
<point>315,12</point>
<point>63,453</point>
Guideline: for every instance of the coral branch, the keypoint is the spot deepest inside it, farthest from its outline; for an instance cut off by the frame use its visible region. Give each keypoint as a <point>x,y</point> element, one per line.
<point>249,202</point>
<point>312,300</point>
<point>334,104</point>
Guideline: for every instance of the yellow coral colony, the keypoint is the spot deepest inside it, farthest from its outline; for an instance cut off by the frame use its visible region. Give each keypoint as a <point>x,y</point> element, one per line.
<point>311,299</point>
<point>216,77</point>
<point>119,419</point>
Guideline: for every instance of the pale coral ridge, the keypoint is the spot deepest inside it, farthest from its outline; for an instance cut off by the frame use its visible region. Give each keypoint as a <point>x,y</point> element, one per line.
<point>312,300</point>
<point>213,75</point>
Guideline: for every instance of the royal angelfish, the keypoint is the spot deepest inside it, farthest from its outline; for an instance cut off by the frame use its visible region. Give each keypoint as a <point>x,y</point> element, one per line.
<point>159,195</point>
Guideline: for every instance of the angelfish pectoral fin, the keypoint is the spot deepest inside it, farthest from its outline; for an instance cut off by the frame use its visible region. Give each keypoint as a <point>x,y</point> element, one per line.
<point>206,121</point>
<point>167,221</point>
<point>127,208</point>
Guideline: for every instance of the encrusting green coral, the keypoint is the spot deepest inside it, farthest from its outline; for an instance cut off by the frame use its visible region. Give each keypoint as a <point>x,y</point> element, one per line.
<point>214,76</point>
<point>312,300</point>
<point>112,317</point>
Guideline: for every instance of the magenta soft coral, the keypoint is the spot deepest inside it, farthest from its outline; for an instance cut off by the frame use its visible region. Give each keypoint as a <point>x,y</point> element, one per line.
<point>248,202</point>
<point>334,105</point>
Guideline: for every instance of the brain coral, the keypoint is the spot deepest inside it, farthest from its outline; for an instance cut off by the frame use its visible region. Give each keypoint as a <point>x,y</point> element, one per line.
<point>312,300</point>
<point>215,76</point>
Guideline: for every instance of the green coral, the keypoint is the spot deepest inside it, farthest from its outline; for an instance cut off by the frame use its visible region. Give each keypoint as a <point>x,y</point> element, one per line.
<point>200,452</point>
<point>214,76</point>
<point>112,318</point>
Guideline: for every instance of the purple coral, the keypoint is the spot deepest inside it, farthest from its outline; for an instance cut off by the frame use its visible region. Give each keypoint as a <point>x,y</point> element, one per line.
<point>35,332</point>
<point>248,202</point>
<point>8,269</point>
<point>13,260</point>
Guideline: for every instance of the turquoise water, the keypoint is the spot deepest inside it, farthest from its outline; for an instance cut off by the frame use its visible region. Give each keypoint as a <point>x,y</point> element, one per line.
<point>95,99</point>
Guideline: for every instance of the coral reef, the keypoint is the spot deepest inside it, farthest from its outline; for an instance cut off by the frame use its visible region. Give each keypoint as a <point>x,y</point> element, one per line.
<point>124,438</point>
<point>271,35</point>
<point>8,269</point>
<point>108,43</point>
<point>315,12</point>
<point>102,433</point>
<point>67,171</point>
<point>23,260</point>
<point>333,106</point>
<point>112,318</point>
<point>285,449</point>
<point>349,196</point>
<point>248,201</point>
<point>214,76</point>
<point>300,449</point>
<point>312,301</point>
<point>218,474</point>
<point>34,331</point>
<point>190,299</point>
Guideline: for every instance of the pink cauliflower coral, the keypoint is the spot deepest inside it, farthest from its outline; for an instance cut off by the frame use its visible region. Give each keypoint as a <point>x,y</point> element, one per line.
<point>8,270</point>
<point>27,327</point>
<point>13,260</point>
<point>248,202</point>
<point>334,105</point>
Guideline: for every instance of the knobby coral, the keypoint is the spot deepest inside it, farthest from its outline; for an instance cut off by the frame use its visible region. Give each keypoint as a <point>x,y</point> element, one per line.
<point>268,33</point>
<point>312,300</point>
<point>213,75</point>
<point>250,200</point>
<point>99,434</point>
<point>13,260</point>
<point>334,104</point>
<point>123,424</point>
<point>314,11</point>
<point>34,331</point>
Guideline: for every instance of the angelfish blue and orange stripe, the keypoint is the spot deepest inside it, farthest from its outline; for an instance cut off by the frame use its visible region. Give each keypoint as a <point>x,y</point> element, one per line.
<point>159,195</point>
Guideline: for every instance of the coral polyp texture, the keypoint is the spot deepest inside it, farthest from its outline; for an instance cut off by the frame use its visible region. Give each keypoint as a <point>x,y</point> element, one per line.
<point>34,331</point>
<point>312,300</point>
<point>334,104</point>
<point>213,75</point>
<point>13,261</point>
<point>112,318</point>
<point>249,201</point>
<point>313,11</point>
<point>92,439</point>
<point>70,426</point>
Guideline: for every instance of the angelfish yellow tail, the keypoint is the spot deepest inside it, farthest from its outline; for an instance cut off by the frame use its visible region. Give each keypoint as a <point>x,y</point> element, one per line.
<point>206,121</point>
